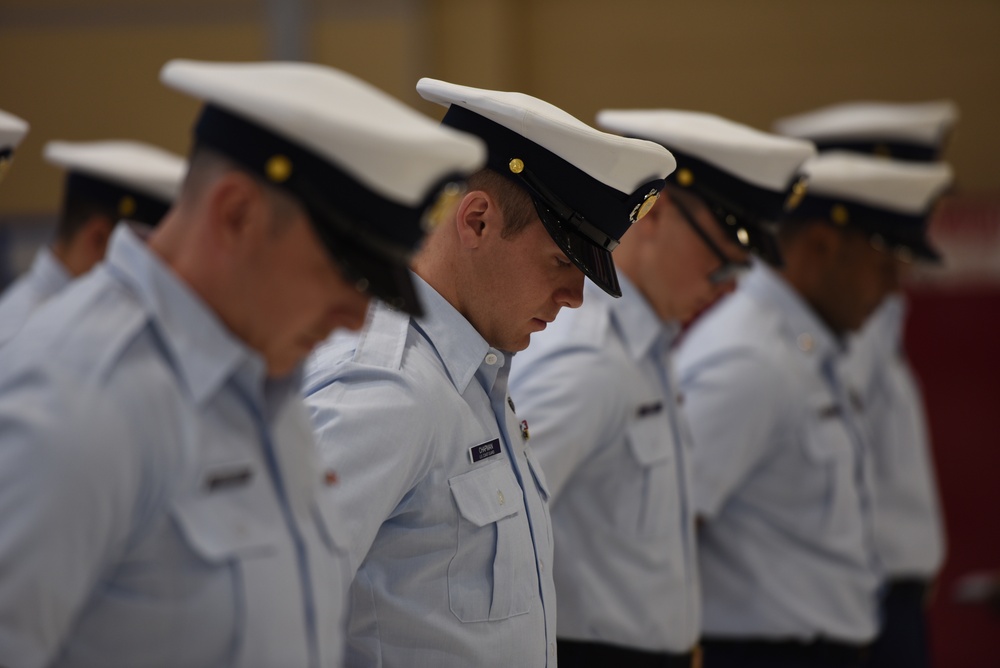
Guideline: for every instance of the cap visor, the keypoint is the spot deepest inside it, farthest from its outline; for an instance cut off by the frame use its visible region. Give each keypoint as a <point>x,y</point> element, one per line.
<point>386,278</point>
<point>388,281</point>
<point>595,262</point>
<point>922,250</point>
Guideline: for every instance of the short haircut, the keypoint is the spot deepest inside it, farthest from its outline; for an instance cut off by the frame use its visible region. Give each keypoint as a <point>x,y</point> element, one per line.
<point>76,212</point>
<point>205,163</point>
<point>515,203</point>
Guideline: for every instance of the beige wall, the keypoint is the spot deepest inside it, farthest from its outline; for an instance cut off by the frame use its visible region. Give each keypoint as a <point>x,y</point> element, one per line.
<point>86,69</point>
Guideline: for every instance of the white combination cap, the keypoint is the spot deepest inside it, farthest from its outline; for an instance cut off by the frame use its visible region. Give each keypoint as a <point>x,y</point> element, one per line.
<point>588,186</point>
<point>130,179</point>
<point>906,131</point>
<point>371,171</point>
<point>12,131</point>
<point>747,177</point>
<point>892,199</point>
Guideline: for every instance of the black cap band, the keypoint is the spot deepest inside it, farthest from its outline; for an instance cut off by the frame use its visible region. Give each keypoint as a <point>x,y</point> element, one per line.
<point>898,150</point>
<point>895,228</point>
<point>119,201</point>
<point>333,197</point>
<point>746,213</point>
<point>602,206</point>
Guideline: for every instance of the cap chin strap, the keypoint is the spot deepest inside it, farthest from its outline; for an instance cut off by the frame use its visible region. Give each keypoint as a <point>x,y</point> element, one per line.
<point>564,212</point>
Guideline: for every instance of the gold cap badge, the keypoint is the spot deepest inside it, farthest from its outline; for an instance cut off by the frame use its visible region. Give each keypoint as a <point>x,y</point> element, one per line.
<point>278,168</point>
<point>684,177</point>
<point>126,206</point>
<point>839,214</point>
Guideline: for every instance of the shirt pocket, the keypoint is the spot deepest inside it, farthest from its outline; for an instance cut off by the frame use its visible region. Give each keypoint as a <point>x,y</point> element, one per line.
<point>247,557</point>
<point>651,506</point>
<point>492,575</point>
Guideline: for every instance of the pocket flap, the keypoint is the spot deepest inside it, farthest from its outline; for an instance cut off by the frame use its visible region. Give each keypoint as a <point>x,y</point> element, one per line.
<point>487,494</point>
<point>223,527</point>
<point>651,440</point>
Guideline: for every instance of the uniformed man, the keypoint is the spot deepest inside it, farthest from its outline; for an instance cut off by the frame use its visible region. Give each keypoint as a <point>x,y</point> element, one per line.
<point>157,477</point>
<point>910,535</point>
<point>781,463</point>
<point>445,500</point>
<point>106,181</point>
<point>598,392</point>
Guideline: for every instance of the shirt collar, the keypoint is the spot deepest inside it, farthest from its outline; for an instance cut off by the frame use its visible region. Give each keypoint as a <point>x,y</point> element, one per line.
<point>48,272</point>
<point>640,327</point>
<point>462,349</point>
<point>810,334</point>
<point>205,354</point>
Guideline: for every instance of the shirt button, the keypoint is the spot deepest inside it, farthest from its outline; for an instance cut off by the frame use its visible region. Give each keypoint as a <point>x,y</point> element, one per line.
<point>552,648</point>
<point>805,343</point>
<point>541,564</point>
<point>500,497</point>
<point>491,359</point>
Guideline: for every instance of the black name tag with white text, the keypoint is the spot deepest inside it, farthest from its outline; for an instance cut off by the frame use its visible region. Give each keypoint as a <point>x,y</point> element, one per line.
<point>649,409</point>
<point>478,453</point>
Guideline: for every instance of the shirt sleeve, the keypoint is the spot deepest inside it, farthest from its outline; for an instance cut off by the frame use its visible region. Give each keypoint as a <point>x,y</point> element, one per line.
<point>572,405</point>
<point>733,407</point>
<point>67,491</point>
<point>372,431</point>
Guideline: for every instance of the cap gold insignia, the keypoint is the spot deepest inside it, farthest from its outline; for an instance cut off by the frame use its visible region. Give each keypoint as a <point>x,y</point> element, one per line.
<point>126,206</point>
<point>643,207</point>
<point>5,165</point>
<point>798,193</point>
<point>516,165</point>
<point>839,214</point>
<point>278,168</point>
<point>443,207</point>
<point>743,236</point>
<point>684,177</point>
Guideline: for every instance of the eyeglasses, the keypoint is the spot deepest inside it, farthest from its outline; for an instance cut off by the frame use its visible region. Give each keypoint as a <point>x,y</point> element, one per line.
<point>901,253</point>
<point>730,269</point>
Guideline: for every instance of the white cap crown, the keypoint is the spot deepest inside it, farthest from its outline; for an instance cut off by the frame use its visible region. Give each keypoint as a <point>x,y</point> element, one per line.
<point>147,169</point>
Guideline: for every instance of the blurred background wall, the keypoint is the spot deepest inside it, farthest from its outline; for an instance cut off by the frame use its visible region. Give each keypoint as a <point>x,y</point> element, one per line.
<point>87,69</point>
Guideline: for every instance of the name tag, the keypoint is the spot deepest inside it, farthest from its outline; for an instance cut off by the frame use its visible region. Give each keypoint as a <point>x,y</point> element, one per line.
<point>649,409</point>
<point>478,453</point>
<point>228,479</point>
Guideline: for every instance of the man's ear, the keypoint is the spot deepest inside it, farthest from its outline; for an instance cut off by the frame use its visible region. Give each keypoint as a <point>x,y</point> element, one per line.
<point>95,234</point>
<point>477,216</point>
<point>230,205</point>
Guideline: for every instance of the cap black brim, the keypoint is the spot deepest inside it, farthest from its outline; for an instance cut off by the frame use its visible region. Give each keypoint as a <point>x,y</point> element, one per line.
<point>380,274</point>
<point>595,262</point>
<point>920,248</point>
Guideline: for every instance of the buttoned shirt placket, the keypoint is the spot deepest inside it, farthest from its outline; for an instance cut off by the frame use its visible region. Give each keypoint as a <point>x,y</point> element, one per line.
<point>492,375</point>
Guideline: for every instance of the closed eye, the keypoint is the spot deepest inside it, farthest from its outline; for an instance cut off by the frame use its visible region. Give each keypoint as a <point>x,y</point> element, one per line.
<point>562,261</point>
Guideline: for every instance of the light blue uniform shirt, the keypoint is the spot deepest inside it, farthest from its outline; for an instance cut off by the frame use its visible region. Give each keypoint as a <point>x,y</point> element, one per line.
<point>46,277</point>
<point>597,390</point>
<point>909,532</point>
<point>158,493</point>
<point>781,471</point>
<point>453,556</point>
